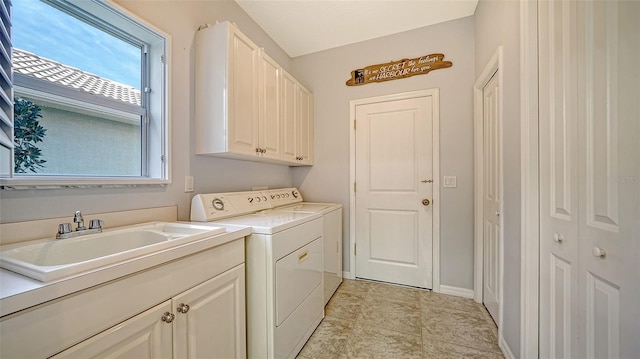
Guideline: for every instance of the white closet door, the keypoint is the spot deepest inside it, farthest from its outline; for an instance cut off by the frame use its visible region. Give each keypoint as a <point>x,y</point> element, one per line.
<point>609,175</point>
<point>589,179</point>
<point>559,192</point>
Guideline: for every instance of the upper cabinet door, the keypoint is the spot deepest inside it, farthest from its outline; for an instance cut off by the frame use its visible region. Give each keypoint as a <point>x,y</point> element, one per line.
<point>226,91</point>
<point>288,117</point>
<point>269,113</point>
<point>243,93</point>
<point>305,126</point>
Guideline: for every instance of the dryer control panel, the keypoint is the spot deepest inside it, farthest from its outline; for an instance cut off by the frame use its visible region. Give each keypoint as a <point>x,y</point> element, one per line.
<point>214,206</point>
<point>284,196</point>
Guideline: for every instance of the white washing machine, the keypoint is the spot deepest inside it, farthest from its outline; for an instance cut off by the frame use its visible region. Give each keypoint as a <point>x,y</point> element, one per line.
<point>284,268</point>
<point>331,233</point>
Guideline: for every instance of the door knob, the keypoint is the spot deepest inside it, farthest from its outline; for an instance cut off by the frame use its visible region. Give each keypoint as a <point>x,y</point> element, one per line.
<point>426,202</point>
<point>558,238</point>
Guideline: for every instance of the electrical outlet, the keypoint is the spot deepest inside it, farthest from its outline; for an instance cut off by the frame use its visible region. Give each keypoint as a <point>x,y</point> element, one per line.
<point>450,181</point>
<point>188,184</point>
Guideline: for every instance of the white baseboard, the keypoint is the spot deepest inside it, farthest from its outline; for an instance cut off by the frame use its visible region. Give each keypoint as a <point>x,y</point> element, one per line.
<point>457,291</point>
<point>347,275</point>
<point>506,351</point>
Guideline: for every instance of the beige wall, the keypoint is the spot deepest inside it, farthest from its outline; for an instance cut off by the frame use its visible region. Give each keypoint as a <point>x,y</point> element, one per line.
<point>498,24</point>
<point>325,74</point>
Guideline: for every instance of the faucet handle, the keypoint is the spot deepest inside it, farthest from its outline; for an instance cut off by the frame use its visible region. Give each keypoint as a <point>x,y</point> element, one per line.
<point>96,223</point>
<point>77,218</point>
<point>64,228</point>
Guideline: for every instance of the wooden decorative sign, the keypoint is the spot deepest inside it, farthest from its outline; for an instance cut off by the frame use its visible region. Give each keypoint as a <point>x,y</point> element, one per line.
<point>398,69</point>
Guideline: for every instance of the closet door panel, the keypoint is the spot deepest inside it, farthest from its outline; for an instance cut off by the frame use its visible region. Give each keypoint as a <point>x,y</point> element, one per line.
<point>559,191</point>
<point>609,145</point>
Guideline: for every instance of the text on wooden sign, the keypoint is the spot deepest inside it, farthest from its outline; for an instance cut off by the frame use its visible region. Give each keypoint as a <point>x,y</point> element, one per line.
<point>398,69</point>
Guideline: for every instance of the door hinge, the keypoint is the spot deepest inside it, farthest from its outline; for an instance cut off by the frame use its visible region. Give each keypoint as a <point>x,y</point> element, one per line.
<point>354,186</point>
<point>162,158</point>
<point>355,250</point>
<point>354,124</point>
<point>163,59</point>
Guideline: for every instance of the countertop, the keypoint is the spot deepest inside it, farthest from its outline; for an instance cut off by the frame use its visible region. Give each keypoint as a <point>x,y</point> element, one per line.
<point>18,292</point>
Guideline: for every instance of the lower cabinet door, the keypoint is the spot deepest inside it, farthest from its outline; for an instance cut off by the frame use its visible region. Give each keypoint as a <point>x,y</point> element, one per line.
<point>144,336</point>
<point>210,318</point>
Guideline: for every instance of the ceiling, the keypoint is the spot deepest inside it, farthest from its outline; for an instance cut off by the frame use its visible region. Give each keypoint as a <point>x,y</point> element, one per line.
<point>302,27</point>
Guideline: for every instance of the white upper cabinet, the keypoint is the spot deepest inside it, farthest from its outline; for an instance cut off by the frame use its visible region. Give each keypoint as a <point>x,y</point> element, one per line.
<point>246,106</point>
<point>304,131</point>
<point>296,122</point>
<point>288,98</point>
<point>226,96</point>
<point>269,111</point>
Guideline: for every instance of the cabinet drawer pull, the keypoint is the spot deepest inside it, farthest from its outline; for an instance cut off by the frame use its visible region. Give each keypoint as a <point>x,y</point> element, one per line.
<point>303,256</point>
<point>168,317</point>
<point>183,308</point>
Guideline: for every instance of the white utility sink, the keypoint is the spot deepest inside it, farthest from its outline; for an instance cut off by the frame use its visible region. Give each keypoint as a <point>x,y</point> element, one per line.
<point>50,259</point>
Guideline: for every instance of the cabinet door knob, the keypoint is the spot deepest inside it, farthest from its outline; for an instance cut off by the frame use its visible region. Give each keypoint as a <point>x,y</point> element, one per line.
<point>168,317</point>
<point>599,252</point>
<point>183,308</point>
<point>558,238</point>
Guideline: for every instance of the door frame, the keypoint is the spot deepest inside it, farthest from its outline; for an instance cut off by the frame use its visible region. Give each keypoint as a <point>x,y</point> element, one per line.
<point>435,93</point>
<point>529,182</point>
<point>493,67</point>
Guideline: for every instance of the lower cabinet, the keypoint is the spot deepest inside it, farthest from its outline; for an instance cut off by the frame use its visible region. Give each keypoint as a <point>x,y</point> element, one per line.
<point>210,318</point>
<point>206,321</point>
<point>143,336</point>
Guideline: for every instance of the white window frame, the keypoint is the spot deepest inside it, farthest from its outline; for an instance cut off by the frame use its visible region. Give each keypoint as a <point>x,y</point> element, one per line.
<point>157,171</point>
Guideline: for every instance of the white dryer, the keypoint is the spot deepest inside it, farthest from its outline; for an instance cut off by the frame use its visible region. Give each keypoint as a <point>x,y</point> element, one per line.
<point>331,233</point>
<point>284,268</point>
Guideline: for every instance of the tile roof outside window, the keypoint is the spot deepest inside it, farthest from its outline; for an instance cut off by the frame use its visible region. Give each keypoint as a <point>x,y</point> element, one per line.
<point>30,64</point>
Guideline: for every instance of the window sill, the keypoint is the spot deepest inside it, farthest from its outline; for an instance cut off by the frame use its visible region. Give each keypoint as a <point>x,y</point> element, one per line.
<point>56,182</point>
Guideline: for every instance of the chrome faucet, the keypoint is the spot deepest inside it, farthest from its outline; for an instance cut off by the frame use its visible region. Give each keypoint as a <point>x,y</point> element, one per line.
<point>77,218</point>
<point>64,229</point>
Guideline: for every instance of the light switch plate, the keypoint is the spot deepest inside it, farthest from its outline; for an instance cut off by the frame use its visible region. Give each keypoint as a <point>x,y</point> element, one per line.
<point>188,184</point>
<point>450,181</point>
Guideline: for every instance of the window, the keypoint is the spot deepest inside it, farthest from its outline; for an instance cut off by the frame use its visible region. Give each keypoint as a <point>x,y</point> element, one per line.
<point>89,96</point>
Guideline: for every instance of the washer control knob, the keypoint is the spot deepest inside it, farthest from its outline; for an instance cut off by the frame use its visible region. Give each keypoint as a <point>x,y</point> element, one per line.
<point>217,204</point>
<point>294,194</point>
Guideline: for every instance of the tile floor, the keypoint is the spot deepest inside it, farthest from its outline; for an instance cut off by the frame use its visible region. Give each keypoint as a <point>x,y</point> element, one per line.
<point>374,320</point>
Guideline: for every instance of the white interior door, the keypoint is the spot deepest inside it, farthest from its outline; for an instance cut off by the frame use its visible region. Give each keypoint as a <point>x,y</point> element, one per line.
<point>393,184</point>
<point>589,179</point>
<point>492,196</point>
